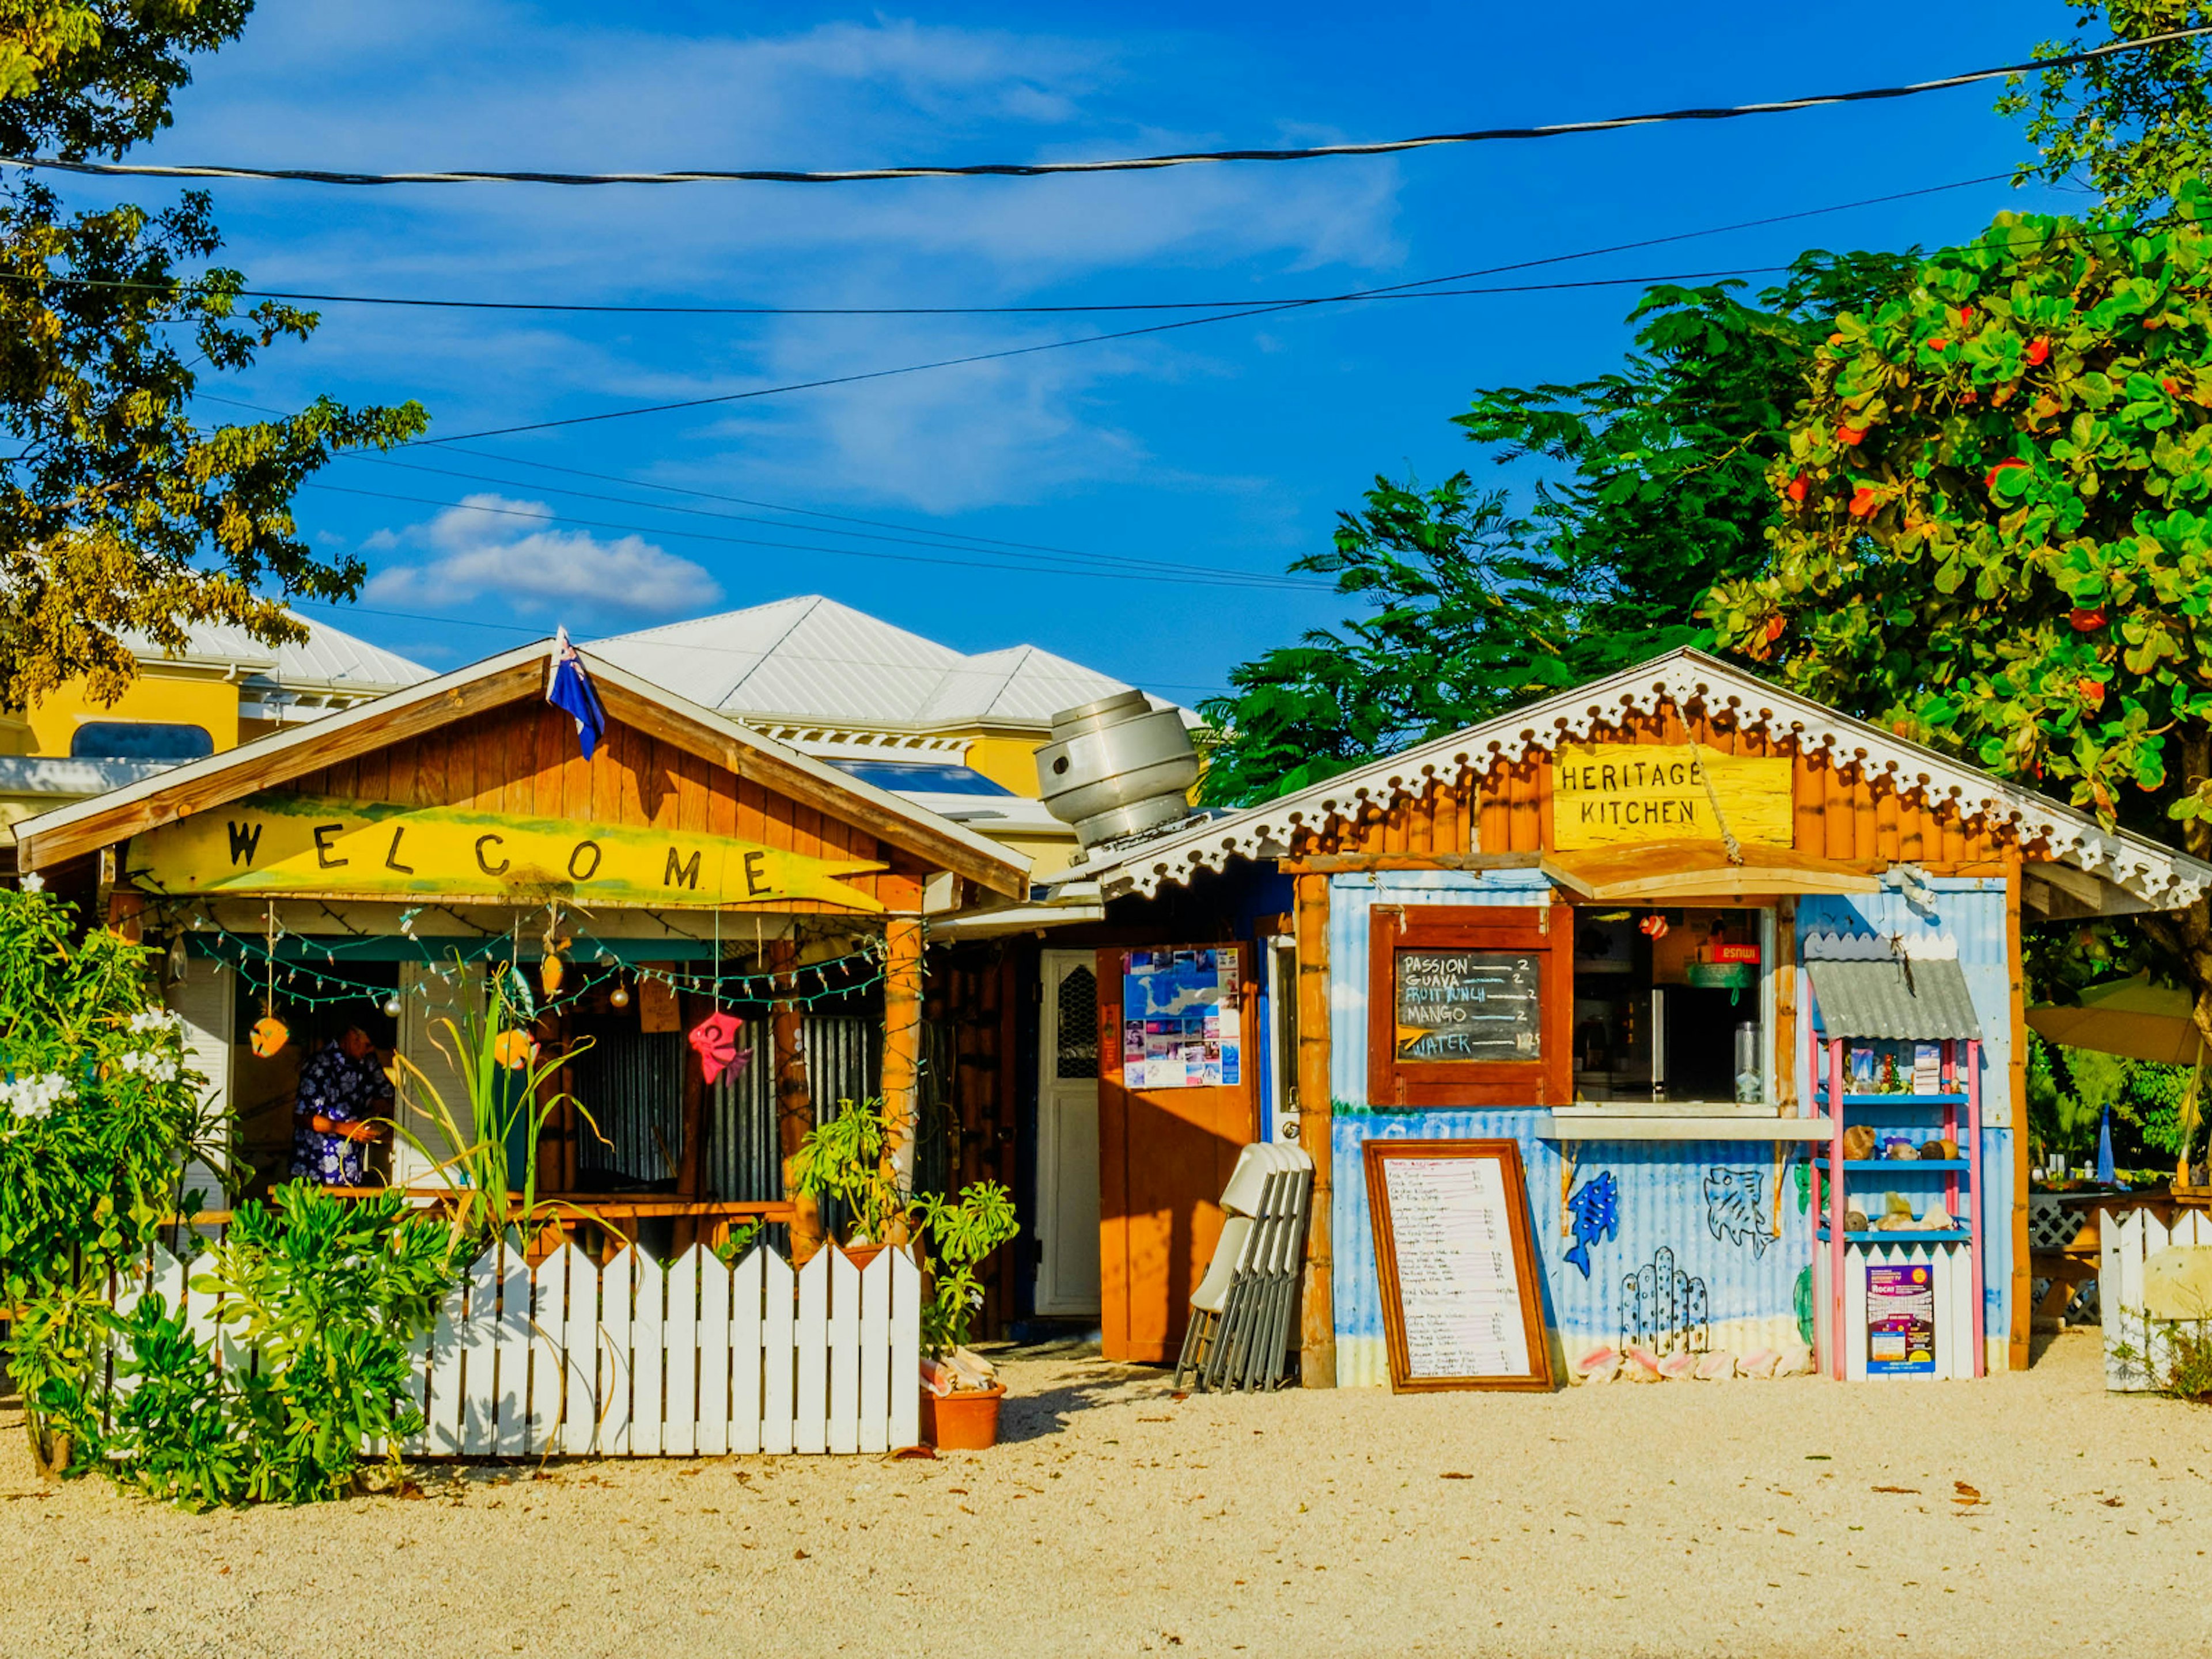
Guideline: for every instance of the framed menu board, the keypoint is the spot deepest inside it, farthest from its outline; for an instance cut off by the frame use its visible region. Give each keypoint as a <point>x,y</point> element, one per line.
<point>1469,1005</point>
<point>1457,1260</point>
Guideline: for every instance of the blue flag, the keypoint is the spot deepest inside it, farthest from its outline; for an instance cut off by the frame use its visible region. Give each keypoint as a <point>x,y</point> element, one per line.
<point>571,692</point>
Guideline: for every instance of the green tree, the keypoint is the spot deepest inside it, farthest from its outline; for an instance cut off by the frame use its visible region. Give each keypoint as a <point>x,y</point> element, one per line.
<point>1465,620</point>
<point>117,510</point>
<point>1657,489</point>
<point>1996,525</point>
<point>2135,126</point>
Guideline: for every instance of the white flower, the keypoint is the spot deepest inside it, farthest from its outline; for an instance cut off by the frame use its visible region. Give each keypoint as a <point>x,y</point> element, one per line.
<point>34,1097</point>
<point>33,882</point>
<point>155,1019</point>
<point>152,1064</point>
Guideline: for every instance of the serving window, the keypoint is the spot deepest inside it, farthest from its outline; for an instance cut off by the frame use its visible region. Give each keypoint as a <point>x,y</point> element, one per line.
<point>1469,1006</point>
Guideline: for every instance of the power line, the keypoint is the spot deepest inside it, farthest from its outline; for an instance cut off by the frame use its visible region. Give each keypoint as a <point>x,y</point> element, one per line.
<point>39,279</point>
<point>1036,568</point>
<point>1002,353</point>
<point>1126,164</point>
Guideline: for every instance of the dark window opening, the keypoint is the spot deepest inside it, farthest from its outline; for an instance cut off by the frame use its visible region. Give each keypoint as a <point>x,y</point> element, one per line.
<point>148,740</point>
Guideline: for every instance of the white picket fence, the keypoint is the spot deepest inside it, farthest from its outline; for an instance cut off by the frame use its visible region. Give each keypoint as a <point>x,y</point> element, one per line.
<point>636,1360</point>
<point>1957,1305</point>
<point>2138,1349</point>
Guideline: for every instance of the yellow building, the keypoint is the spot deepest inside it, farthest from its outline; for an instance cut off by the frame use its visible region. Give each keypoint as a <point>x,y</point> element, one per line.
<point>225,688</point>
<point>951,731</point>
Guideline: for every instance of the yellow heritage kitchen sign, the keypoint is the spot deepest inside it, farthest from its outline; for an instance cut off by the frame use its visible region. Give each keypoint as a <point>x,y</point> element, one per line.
<point>1614,794</point>
<point>277,843</point>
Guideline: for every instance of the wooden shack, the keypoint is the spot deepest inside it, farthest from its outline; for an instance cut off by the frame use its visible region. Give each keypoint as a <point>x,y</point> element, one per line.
<point>1665,858</point>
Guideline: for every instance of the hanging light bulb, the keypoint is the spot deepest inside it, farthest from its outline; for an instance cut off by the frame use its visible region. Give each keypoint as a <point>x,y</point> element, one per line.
<point>620,995</point>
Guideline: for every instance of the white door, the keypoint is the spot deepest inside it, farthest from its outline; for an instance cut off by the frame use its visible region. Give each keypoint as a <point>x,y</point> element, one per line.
<point>204,1001</point>
<point>1067,1136</point>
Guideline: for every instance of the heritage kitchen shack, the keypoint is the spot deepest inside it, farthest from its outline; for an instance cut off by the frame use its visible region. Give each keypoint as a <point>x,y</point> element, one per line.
<point>1735,978</point>
<point>726,931</point>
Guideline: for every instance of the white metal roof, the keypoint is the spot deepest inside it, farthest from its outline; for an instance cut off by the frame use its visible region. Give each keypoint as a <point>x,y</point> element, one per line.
<point>328,657</point>
<point>2157,875</point>
<point>812,659</point>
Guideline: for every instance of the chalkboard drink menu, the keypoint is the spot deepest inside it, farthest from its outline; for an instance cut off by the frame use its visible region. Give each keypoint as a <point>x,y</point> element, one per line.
<point>1469,1005</point>
<point>1457,1263</point>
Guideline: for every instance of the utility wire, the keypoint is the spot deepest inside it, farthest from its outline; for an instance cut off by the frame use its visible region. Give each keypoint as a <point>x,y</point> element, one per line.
<point>1128,164</point>
<point>1184,577</point>
<point>39,279</point>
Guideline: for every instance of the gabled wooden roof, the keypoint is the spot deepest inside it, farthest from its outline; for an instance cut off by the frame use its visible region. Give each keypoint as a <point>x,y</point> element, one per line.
<point>514,677</point>
<point>2156,876</point>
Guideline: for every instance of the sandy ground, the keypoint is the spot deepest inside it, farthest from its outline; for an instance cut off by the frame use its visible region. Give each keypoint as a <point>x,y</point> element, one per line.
<point>1768,1519</point>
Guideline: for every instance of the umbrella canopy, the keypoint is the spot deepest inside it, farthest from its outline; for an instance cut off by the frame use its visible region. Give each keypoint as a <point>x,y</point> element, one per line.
<point>2131,1017</point>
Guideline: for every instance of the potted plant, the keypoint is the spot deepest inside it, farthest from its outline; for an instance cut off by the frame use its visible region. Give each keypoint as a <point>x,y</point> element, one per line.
<point>961,1233</point>
<point>842,1157</point>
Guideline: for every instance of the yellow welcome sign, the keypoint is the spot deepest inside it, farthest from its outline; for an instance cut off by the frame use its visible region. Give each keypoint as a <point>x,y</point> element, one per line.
<point>1613,794</point>
<point>277,843</point>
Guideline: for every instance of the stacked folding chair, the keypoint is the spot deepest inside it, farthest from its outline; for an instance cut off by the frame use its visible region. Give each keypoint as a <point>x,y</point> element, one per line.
<point>1242,1311</point>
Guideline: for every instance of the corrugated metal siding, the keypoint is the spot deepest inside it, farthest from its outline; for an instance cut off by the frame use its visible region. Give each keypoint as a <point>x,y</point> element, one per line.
<point>1691,1200</point>
<point>632,1083</point>
<point>1899,999</point>
<point>743,1153</point>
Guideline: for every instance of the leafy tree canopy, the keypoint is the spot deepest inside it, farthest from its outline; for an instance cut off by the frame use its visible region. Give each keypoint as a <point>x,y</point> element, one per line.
<point>1996,525</point>
<point>2135,126</point>
<point>119,513</point>
<point>1657,489</point>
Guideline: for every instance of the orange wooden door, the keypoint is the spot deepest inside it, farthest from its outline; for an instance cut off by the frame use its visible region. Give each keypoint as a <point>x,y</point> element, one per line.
<point>1164,1157</point>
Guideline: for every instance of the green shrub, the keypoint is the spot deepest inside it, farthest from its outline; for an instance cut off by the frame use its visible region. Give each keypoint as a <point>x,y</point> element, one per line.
<point>323,1295</point>
<point>98,1114</point>
<point>962,1233</point>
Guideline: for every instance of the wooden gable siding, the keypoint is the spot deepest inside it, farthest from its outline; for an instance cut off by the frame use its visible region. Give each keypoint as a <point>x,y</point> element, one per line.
<point>1839,815</point>
<point>522,760</point>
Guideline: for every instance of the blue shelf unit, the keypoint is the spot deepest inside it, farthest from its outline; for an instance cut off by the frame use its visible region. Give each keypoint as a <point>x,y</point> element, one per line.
<point>1951,1112</point>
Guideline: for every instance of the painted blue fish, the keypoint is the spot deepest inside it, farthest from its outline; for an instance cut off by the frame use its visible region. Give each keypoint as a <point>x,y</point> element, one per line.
<point>1733,1211</point>
<point>1595,1207</point>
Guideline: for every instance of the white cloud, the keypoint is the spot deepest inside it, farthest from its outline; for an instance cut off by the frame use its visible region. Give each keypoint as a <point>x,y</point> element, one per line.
<point>487,547</point>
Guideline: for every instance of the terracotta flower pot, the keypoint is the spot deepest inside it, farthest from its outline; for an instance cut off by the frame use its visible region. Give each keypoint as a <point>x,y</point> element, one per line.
<point>860,1254</point>
<point>967,1421</point>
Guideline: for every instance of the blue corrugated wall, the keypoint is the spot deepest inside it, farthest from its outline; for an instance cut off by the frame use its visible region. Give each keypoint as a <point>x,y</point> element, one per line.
<point>1698,1220</point>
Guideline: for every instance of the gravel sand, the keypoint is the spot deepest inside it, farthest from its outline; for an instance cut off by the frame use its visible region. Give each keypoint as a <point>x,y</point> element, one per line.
<point>2031,1514</point>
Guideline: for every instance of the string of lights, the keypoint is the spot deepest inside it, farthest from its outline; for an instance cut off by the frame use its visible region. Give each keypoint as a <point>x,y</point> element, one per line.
<point>295,977</point>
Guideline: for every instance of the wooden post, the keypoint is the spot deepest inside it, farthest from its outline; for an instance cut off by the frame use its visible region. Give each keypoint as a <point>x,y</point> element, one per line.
<point>2015,1088</point>
<point>1317,1316</point>
<point>794,1101</point>
<point>901,1046</point>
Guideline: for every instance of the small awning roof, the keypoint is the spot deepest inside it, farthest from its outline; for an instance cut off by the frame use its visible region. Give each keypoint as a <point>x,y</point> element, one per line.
<point>2131,1017</point>
<point>1919,999</point>
<point>1682,870</point>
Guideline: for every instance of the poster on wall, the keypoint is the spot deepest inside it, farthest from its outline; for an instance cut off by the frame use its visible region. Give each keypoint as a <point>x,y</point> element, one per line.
<point>1456,1259</point>
<point>1181,1024</point>
<point>1900,1321</point>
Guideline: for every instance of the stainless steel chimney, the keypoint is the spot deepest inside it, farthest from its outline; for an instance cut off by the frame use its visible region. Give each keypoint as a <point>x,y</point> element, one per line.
<point>1117,766</point>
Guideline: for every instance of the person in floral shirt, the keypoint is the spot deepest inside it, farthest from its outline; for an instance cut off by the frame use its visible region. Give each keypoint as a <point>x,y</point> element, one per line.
<point>341,1088</point>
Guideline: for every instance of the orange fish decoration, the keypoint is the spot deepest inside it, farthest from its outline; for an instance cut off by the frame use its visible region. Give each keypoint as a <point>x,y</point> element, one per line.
<point>514,1050</point>
<point>270,1036</point>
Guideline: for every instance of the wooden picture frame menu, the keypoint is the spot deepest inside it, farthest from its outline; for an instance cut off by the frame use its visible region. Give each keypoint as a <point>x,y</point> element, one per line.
<point>1481,967</point>
<point>1450,1219</point>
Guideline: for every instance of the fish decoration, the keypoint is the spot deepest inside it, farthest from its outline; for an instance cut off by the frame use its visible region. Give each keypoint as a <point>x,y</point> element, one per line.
<point>1733,1211</point>
<point>715,1040</point>
<point>514,1050</point>
<point>1595,1210</point>
<point>270,1036</point>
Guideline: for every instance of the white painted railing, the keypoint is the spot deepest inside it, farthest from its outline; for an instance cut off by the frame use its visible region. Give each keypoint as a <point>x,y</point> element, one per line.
<point>2138,1349</point>
<point>636,1360</point>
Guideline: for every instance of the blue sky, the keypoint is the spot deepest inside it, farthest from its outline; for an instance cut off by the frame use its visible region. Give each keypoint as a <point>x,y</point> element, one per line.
<point>1223,449</point>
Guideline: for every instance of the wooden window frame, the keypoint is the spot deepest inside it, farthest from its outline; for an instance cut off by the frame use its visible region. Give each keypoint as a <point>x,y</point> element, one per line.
<point>1547,1080</point>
